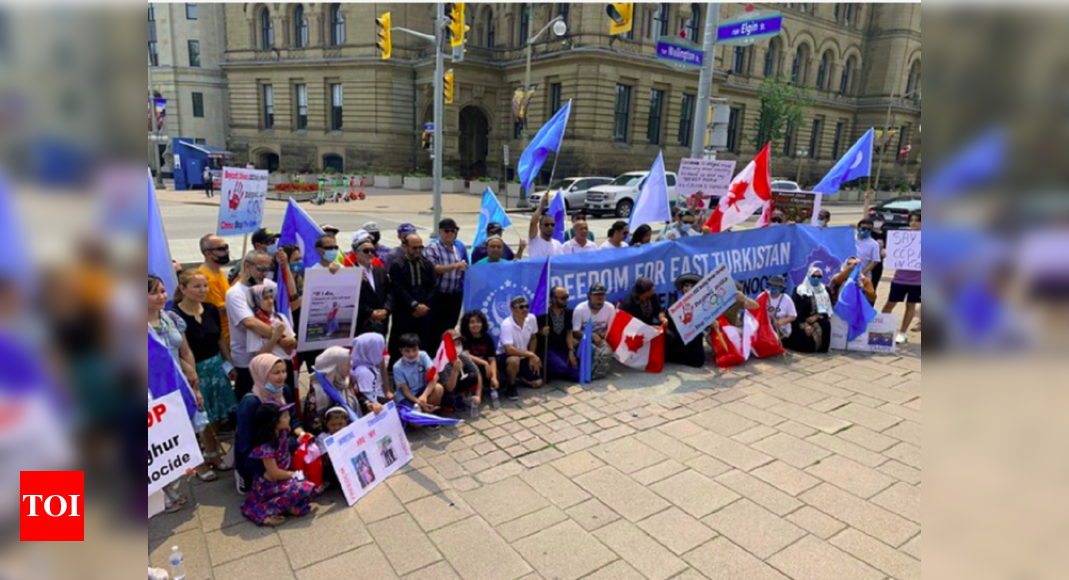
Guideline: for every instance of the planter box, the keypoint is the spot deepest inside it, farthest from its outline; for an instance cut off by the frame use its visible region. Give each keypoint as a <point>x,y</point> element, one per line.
<point>453,186</point>
<point>389,181</point>
<point>479,187</point>
<point>419,183</point>
<point>514,190</point>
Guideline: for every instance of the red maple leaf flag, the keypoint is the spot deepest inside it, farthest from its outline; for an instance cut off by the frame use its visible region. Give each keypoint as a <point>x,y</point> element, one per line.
<point>635,344</point>
<point>447,353</point>
<point>750,190</point>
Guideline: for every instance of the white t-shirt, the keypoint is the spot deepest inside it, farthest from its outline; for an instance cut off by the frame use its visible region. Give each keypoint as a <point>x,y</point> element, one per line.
<point>602,321</point>
<point>257,342</point>
<point>675,234</point>
<point>607,245</point>
<point>868,251</point>
<point>573,247</point>
<point>782,307</point>
<point>237,310</point>
<point>513,335</point>
<point>539,248</point>
<point>369,383</point>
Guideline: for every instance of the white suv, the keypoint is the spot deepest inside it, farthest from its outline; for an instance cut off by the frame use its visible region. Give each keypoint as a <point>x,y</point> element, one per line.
<point>574,188</point>
<point>618,198</point>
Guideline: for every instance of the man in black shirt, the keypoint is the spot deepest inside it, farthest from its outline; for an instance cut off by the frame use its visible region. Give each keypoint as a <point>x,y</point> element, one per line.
<point>556,329</point>
<point>413,285</point>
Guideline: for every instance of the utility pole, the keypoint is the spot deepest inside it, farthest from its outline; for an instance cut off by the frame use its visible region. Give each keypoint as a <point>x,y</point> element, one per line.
<point>439,106</point>
<point>155,137</point>
<point>705,87</point>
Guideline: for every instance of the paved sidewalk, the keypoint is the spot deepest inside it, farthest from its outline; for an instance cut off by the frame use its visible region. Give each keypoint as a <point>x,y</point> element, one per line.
<point>804,467</point>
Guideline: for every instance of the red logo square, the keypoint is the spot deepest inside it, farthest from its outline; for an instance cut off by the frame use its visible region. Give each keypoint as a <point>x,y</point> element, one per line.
<point>52,506</point>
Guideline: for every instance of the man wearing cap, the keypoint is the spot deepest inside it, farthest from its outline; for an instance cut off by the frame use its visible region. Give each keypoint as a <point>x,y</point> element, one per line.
<point>334,231</point>
<point>398,253</point>
<point>413,284</point>
<point>264,240</point>
<point>450,263</point>
<point>373,314</point>
<point>691,354</point>
<point>684,228</point>
<point>596,308</point>
<point>481,252</point>
<point>351,260</point>
<point>382,253</point>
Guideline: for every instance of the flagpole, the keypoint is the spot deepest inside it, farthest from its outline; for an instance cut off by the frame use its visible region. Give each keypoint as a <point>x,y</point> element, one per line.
<point>549,322</point>
<point>556,154</point>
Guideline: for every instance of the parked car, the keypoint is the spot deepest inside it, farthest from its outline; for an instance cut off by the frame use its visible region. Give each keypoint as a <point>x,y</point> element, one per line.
<point>785,185</point>
<point>618,198</point>
<point>574,188</point>
<point>895,212</point>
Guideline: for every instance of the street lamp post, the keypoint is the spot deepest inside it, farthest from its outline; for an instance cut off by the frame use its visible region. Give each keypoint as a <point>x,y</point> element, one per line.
<point>802,154</point>
<point>560,28</point>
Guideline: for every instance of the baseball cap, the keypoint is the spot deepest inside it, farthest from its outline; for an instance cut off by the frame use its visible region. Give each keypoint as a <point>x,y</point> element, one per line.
<point>406,229</point>
<point>359,235</point>
<point>264,236</point>
<point>330,229</point>
<point>494,229</point>
<point>448,224</point>
<point>371,228</point>
<point>598,288</point>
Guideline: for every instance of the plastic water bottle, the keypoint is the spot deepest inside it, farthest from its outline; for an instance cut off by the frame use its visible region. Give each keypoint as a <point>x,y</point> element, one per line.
<point>178,564</point>
<point>495,400</point>
<point>474,409</point>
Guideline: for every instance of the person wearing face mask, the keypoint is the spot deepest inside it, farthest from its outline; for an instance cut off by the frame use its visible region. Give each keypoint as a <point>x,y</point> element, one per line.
<point>327,248</point>
<point>823,219</point>
<point>684,228</point>
<point>216,254</point>
<point>242,318</point>
<point>269,388</point>
<point>596,308</point>
<point>868,250</point>
<point>265,241</point>
<point>781,309</point>
<point>811,330</point>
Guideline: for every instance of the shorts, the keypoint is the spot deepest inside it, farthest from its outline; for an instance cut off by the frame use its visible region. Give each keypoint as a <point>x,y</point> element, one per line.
<point>905,293</point>
<point>525,368</point>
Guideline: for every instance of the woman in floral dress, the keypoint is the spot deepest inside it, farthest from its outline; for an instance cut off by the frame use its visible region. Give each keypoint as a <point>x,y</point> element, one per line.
<point>278,491</point>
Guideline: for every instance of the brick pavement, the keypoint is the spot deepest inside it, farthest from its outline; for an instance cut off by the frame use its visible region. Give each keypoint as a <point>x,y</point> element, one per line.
<point>805,468</point>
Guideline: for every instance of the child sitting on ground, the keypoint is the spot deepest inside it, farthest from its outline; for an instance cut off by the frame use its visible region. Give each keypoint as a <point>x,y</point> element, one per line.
<point>369,371</point>
<point>277,491</point>
<point>410,376</point>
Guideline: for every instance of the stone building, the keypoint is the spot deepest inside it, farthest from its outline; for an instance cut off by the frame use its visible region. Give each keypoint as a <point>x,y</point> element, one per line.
<point>186,43</point>
<point>307,89</point>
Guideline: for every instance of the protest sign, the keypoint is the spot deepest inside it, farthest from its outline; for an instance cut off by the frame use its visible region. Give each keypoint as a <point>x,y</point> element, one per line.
<point>903,250</point>
<point>367,452</point>
<point>800,207</point>
<point>241,207</point>
<point>752,257</point>
<point>172,446</point>
<point>702,179</point>
<point>697,309</point>
<point>329,310</point>
<point>878,338</point>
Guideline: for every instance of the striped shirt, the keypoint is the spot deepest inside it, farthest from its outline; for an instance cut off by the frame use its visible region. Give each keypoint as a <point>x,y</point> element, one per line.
<point>451,282</point>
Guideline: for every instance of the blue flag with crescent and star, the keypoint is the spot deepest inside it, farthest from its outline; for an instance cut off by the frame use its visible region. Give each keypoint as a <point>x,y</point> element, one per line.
<point>855,164</point>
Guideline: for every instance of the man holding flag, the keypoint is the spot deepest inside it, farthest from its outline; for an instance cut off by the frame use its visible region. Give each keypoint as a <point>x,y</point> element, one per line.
<point>543,228</point>
<point>594,317</point>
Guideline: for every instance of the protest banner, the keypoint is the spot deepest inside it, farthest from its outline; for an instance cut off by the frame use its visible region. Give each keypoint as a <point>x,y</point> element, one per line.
<point>697,309</point>
<point>329,310</point>
<point>878,338</point>
<point>701,179</point>
<point>903,250</point>
<point>241,206</point>
<point>752,256</point>
<point>800,207</point>
<point>367,452</point>
<point>172,445</point>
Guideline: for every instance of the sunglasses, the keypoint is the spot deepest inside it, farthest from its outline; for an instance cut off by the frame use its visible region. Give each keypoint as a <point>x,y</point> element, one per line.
<point>449,231</point>
<point>549,225</point>
<point>225,248</point>
<point>367,252</point>
<point>262,269</point>
<point>328,248</point>
<point>523,307</point>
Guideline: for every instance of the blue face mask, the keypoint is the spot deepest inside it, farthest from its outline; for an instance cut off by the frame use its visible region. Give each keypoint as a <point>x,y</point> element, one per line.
<point>297,268</point>
<point>331,256</point>
<point>822,223</point>
<point>816,282</point>
<point>775,291</point>
<point>272,389</point>
<point>864,234</point>
<point>272,249</point>
<point>687,227</point>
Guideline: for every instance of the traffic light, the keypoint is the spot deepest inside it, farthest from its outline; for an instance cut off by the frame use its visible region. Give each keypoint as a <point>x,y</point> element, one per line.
<point>447,87</point>
<point>622,14</point>
<point>456,30</point>
<point>385,42</point>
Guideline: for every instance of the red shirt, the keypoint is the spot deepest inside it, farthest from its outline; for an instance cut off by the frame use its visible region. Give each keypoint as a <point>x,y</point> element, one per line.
<point>350,261</point>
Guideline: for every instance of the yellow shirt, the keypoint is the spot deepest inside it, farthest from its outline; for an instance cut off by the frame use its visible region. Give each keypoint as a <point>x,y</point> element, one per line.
<point>217,289</point>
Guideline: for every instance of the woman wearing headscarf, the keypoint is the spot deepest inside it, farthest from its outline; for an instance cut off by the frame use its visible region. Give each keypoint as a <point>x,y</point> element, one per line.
<point>691,354</point>
<point>368,362</point>
<point>333,364</point>
<point>269,386</point>
<point>811,331</point>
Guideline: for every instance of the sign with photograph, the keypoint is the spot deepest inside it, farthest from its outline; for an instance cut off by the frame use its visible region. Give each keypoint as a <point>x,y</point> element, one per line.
<point>903,250</point>
<point>241,207</point>
<point>172,445</point>
<point>697,309</point>
<point>800,207</point>
<point>329,312</point>
<point>878,338</point>
<point>702,179</point>
<point>367,452</point>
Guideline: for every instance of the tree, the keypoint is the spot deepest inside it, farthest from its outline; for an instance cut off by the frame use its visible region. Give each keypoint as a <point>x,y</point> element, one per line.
<point>781,107</point>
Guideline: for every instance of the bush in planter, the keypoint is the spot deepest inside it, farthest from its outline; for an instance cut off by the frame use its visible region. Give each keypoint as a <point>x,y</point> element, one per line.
<point>417,175</point>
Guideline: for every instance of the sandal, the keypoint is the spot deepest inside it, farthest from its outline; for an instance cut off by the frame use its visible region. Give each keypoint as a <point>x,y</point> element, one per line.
<point>222,466</point>
<point>274,521</point>
<point>172,508</point>
<point>208,476</point>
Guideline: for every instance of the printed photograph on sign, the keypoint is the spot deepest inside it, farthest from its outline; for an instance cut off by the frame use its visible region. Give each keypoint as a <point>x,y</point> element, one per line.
<point>797,207</point>
<point>368,452</point>
<point>363,470</point>
<point>330,304</point>
<point>389,456</point>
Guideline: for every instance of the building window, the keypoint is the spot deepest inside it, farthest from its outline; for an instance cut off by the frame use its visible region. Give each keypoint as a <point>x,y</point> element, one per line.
<point>153,53</point>
<point>660,20</point>
<point>686,121</point>
<point>554,98</point>
<point>337,25</point>
<point>194,53</point>
<point>200,141</point>
<point>300,24</point>
<point>335,107</point>
<point>491,29</point>
<point>788,140</point>
<point>734,122</point>
<point>153,47</point>
<point>693,23</point>
<point>772,56</point>
<point>823,70</point>
<point>267,30</point>
<point>914,82</point>
<point>622,113</point>
<point>302,107</point>
<point>269,107</point>
<point>814,139</point>
<point>191,11</point>
<point>848,76</point>
<point>564,11</point>
<point>653,128</point>
<point>838,143</point>
<point>334,162</point>
<point>525,23</point>
<point>198,105</point>
<point>799,66</point>
<point>738,63</point>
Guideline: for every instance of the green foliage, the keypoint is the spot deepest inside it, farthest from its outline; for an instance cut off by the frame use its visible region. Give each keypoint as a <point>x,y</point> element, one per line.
<point>486,180</point>
<point>417,174</point>
<point>781,107</point>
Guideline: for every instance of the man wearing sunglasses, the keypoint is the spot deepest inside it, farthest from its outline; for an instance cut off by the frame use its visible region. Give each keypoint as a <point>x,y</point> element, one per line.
<point>243,320</point>
<point>327,248</point>
<point>216,254</point>
<point>516,349</point>
<point>450,265</point>
<point>541,233</point>
<point>373,315</point>
<point>867,249</point>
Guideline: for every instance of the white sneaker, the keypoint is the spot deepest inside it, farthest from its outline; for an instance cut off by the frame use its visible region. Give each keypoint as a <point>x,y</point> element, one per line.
<point>901,338</point>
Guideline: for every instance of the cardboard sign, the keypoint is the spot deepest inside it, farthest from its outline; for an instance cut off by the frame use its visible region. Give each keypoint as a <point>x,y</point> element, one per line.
<point>172,445</point>
<point>879,337</point>
<point>704,178</point>
<point>697,309</point>
<point>367,452</point>
<point>903,250</point>
<point>241,205</point>
<point>329,310</point>
<point>800,207</point>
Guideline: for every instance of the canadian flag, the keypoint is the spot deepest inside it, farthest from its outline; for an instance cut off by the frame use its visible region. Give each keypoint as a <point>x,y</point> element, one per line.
<point>636,344</point>
<point>766,342</point>
<point>447,353</point>
<point>905,151</point>
<point>751,190</point>
<point>732,348</point>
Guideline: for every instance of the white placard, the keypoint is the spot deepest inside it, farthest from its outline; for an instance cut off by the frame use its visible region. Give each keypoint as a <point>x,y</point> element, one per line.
<point>801,207</point>
<point>697,309</point>
<point>708,177</point>
<point>879,337</point>
<point>367,452</point>
<point>241,206</point>
<point>903,250</point>
<point>328,313</point>
<point>172,445</point>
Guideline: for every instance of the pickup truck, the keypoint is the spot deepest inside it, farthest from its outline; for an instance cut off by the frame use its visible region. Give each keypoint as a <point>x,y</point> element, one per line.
<point>618,198</point>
